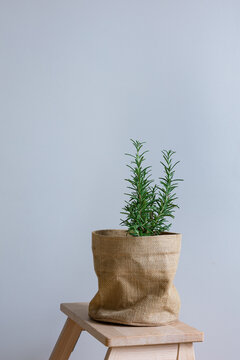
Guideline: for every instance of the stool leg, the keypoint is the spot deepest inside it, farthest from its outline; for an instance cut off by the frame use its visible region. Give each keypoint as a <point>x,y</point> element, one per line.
<point>143,352</point>
<point>66,341</point>
<point>186,351</point>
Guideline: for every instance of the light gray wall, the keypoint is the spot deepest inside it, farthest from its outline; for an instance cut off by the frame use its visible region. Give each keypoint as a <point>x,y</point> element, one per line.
<point>78,79</point>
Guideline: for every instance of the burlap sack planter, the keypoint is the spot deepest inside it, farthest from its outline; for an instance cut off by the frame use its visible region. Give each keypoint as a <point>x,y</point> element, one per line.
<point>135,278</point>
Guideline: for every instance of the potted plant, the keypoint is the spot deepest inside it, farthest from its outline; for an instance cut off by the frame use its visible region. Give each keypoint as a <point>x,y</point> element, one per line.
<point>136,267</point>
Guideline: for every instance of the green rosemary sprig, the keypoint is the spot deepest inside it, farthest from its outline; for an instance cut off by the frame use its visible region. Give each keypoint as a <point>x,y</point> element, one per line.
<point>166,195</point>
<point>139,207</point>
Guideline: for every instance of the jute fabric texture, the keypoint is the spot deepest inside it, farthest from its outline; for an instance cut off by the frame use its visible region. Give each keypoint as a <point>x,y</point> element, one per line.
<point>135,278</point>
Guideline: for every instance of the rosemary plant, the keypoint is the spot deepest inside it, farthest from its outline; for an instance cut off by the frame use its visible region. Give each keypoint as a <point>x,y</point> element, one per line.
<point>149,206</point>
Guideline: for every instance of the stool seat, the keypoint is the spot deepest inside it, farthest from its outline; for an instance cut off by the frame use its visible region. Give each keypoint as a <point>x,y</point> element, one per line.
<point>168,342</point>
<point>122,335</point>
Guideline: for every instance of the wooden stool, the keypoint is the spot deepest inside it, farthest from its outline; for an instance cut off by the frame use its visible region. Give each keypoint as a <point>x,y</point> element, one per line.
<point>168,342</point>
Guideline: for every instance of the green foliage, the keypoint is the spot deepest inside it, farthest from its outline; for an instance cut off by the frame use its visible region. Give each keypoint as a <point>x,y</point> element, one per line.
<point>149,207</point>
